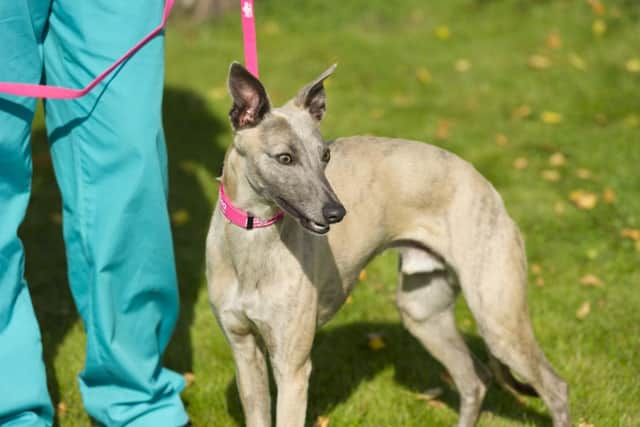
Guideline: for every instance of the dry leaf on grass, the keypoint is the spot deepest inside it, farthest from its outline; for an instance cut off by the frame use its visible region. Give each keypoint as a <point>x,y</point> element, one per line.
<point>520,163</point>
<point>633,65</point>
<point>583,173</point>
<point>431,394</point>
<point>349,300</point>
<point>584,310</point>
<point>609,195</point>
<point>536,268</point>
<point>442,130</point>
<point>597,7</point>
<point>375,341</point>
<point>539,62</point>
<point>539,281</point>
<point>591,280</point>
<point>551,117</point>
<point>362,276</point>
<point>599,27</point>
<point>189,378</point>
<point>583,423</point>
<point>61,409</point>
<point>501,139</point>
<point>322,421</point>
<point>521,112</point>
<point>557,159</point>
<point>551,175</point>
<point>462,65</point>
<point>585,200</point>
<point>630,233</point>
<point>553,40</point>
<point>442,32</point>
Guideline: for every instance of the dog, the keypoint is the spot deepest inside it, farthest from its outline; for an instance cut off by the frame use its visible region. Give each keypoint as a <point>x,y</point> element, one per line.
<point>275,273</point>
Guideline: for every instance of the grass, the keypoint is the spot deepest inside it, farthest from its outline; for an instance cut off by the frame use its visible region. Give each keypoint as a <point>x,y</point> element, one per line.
<point>397,78</point>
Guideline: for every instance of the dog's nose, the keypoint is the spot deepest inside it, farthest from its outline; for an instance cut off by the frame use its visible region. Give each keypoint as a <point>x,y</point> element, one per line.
<point>333,212</point>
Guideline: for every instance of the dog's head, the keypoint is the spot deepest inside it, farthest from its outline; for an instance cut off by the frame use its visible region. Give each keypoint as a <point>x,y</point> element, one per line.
<point>284,151</point>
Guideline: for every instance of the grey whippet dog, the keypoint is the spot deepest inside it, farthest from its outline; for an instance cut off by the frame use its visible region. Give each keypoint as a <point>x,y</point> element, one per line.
<point>272,287</point>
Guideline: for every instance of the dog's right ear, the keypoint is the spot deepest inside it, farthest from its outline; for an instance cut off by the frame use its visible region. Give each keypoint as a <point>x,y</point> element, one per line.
<point>250,101</point>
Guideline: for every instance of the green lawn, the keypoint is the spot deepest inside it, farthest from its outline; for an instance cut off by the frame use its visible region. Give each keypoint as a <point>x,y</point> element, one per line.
<point>458,74</point>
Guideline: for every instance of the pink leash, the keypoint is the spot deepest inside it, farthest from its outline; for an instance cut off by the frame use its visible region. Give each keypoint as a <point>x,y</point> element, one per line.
<point>56,92</point>
<point>249,37</point>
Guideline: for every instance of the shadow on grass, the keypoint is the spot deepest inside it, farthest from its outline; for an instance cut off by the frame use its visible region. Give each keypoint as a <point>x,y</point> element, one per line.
<point>342,361</point>
<point>192,133</point>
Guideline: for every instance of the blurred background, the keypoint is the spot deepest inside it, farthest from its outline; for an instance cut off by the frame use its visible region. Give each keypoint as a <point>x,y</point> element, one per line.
<point>542,96</point>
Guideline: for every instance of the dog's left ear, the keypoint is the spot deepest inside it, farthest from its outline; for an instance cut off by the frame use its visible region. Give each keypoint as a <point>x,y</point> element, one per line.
<point>250,101</point>
<point>312,96</point>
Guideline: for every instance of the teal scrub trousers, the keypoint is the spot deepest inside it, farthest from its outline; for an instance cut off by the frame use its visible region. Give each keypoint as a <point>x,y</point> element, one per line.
<point>110,163</point>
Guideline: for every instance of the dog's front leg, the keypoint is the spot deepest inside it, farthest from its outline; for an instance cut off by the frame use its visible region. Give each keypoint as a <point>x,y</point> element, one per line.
<point>252,379</point>
<point>290,352</point>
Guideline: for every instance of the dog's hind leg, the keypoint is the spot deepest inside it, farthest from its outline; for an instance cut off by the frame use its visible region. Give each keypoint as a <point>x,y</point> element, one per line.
<point>426,305</point>
<point>495,289</point>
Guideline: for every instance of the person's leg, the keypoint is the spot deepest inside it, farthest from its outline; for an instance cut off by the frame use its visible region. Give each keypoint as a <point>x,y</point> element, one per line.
<point>110,162</point>
<point>24,400</point>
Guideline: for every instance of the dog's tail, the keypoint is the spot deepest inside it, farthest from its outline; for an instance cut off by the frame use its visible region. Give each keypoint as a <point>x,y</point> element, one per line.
<point>505,378</point>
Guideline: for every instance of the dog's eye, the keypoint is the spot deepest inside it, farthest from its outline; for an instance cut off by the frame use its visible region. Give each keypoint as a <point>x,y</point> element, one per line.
<point>326,155</point>
<point>285,159</point>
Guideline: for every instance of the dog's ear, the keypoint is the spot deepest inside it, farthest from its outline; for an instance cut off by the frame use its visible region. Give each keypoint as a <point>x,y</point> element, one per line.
<point>312,96</point>
<point>250,101</point>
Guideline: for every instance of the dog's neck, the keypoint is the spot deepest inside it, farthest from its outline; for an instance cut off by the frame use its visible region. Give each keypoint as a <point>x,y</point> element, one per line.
<point>239,190</point>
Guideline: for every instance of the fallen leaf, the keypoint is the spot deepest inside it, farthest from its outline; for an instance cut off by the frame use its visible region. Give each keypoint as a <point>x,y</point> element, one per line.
<point>322,421</point>
<point>633,65</point>
<point>349,300</point>
<point>442,32</point>
<point>559,208</point>
<point>521,112</point>
<point>539,62</point>
<point>502,139</point>
<point>180,217</point>
<point>584,310</point>
<point>423,75</point>
<point>539,282</point>
<point>431,394</point>
<point>583,199</point>
<point>551,175</point>
<point>630,233</point>
<point>61,409</point>
<point>536,268</point>
<point>375,341</point>
<point>597,7</point>
<point>442,130</point>
<point>520,163</point>
<point>583,423</point>
<point>591,280</point>
<point>557,159</point>
<point>363,275</point>
<point>551,117</point>
<point>462,65</point>
<point>553,40</point>
<point>599,27</point>
<point>577,61</point>
<point>583,173</point>
<point>189,378</point>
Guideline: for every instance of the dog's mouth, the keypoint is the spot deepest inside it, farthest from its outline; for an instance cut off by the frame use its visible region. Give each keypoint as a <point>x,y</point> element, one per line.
<point>309,224</point>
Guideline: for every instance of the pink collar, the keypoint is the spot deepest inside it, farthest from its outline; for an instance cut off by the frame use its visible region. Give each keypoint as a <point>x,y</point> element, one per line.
<point>241,218</point>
